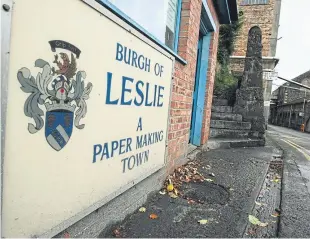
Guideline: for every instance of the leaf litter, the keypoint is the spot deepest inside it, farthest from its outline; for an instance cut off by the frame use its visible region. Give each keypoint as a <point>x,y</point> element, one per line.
<point>203,221</point>
<point>184,174</point>
<point>116,233</point>
<point>142,209</point>
<point>255,221</point>
<point>153,216</point>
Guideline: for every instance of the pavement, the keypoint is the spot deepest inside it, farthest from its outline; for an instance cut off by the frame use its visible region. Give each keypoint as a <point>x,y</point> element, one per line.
<point>295,196</point>
<point>233,180</point>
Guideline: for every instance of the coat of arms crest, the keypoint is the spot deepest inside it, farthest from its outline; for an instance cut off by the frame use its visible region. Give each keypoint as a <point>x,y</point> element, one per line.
<point>60,90</point>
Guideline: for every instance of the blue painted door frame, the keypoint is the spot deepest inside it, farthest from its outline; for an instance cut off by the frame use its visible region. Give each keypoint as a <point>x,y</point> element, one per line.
<point>200,89</point>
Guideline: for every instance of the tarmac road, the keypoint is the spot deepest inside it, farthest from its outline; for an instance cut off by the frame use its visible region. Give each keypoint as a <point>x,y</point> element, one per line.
<point>295,203</point>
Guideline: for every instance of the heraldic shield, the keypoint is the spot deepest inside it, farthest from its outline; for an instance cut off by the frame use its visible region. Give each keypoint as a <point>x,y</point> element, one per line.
<point>58,128</point>
<point>61,89</point>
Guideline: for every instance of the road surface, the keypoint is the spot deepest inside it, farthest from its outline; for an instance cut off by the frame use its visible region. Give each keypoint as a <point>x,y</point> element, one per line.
<point>297,143</point>
<point>295,203</point>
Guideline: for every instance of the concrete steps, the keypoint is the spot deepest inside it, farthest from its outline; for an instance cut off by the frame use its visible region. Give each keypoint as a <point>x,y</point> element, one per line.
<point>234,143</point>
<point>229,133</point>
<point>226,116</point>
<point>222,109</point>
<point>223,124</point>
<point>227,129</point>
<point>219,102</point>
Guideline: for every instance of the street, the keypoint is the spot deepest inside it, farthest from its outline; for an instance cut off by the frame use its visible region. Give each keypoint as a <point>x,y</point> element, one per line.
<point>297,143</point>
<point>295,203</point>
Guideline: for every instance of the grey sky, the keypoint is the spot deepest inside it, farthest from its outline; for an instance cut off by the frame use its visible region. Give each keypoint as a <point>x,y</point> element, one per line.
<point>294,47</point>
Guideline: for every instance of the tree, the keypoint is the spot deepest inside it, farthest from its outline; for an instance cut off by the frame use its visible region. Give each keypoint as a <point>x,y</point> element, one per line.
<point>225,83</point>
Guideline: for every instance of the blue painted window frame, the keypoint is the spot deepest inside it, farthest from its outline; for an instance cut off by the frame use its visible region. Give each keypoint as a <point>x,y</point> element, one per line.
<point>144,32</point>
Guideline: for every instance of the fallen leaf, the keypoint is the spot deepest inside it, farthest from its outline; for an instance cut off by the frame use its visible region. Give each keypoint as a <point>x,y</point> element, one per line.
<point>251,232</point>
<point>116,233</point>
<point>175,191</point>
<point>153,216</point>
<point>190,201</point>
<point>162,192</point>
<point>263,224</point>
<point>274,221</point>
<point>209,180</point>
<point>212,174</point>
<point>142,209</point>
<point>231,189</point>
<point>203,221</point>
<point>277,210</point>
<point>258,203</point>
<point>254,220</point>
<point>66,235</point>
<point>276,180</point>
<point>275,214</point>
<point>170,187</point>
<point>172,195</point>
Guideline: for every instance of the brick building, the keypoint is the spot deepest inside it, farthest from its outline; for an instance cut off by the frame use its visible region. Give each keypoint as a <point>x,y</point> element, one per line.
<point>182,35</point>
<point>291,104</point>
<point>264,14</point>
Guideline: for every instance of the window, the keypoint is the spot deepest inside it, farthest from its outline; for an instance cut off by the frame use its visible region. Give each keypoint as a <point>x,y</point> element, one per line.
<point>158,17</point>
<point>254,2</point>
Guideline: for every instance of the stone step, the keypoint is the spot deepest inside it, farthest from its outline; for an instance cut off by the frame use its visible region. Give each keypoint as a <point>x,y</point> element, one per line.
<point>226,116</point>
<point>229,133</point>
<point>234,133</point>
<point>223,124</point>
<point>222,109</point>
<point>234,143</point>
<point>219,102</point>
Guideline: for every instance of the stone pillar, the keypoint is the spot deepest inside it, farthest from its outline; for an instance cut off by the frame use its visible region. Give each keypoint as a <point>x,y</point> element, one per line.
<point>249,97</point>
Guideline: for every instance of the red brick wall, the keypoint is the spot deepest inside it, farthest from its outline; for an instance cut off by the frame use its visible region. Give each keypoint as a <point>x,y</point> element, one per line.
<point>184,80</point>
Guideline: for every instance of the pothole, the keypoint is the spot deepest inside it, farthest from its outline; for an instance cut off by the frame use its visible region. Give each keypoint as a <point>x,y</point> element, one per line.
<point>206,192</point>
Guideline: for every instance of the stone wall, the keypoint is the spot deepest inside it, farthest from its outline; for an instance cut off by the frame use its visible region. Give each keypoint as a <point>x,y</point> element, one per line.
<point>266,17</point>
<point>293,115</point>
<point>291,93</point>
<point>292,108</point>
<point>263,16</point>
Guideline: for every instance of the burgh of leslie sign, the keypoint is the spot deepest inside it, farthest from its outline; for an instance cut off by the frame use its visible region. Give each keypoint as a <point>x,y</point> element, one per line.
<point>87,113</point>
